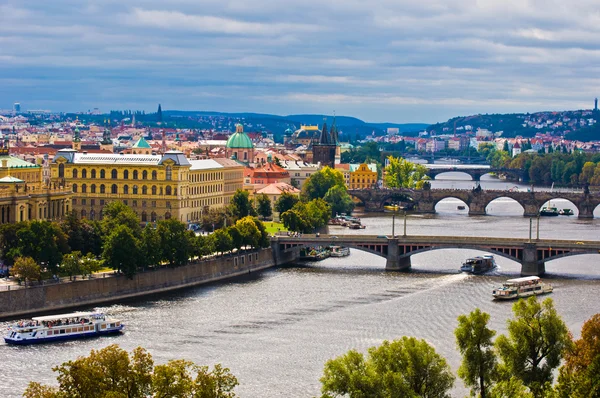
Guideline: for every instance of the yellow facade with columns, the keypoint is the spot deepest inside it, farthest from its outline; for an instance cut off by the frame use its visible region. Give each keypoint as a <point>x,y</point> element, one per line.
<point>362,176</point>
<point>156,187</point>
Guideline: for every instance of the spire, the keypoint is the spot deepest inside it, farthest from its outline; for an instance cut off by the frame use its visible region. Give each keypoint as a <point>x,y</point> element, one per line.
<point>334,131</point>
<point>325,138</point>
<point>106,140</point>
<point>159,118</point>
<point>76,136</point>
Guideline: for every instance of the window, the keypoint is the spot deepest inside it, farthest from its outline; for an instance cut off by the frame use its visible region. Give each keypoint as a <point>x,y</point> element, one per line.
<point>84,173</point>
<point>93,188</point>
<point>74,173</point>
<point>93,202</point>
<point>102,189</point>
<point>93,173</point>
<point>101,202</point>
<point>83,213</point>
<point>113,174</point>
<point>126,174</point>
<point>168,190</point>
<point>144,190</point>
<point>83,202</point>
<point>113,188</point>
<point>61,170</point>
<point>143,203</point>
<point>154,204</point>
<point>135,189</point>
<point>144,175</point>
<point>74,204</point>
<point>74,187</point>
<point>153,216</point>
<point>135,174</point>
<point>134,204</point>
<point>154,175</point>
<point>153,189</point>
<point>144,216</point>
<point>83,188</point>
<point>126,189</point>
<point>125,202</point>
<point>169,172</point>
<point>102,174</point>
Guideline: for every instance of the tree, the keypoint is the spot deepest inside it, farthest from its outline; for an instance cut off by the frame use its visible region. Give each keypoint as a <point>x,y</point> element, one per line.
<point>117,213</point>
<point>174,242</point>
<point>407,367</point>
<point>122,250</point>
<point>474,341</point>
<point>264,206</point>
<point>71,263</point>
<point>317,186</point>
<point>26,269</point>
<point>400,173</point>
<point>90,264</point>
<point>43,241</point>
<point>285,202</point>
<point>113,372</point>
<point>240,205</point>
<point>579,376</point>
<point>293,220</point>
<point>151,246</point>
<point>537,338</point>
<point>251,236</point>
<point>222,241</point>
<point>339,200</point>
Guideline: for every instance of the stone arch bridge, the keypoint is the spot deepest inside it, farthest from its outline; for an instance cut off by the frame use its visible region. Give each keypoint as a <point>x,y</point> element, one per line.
<point>477,199</point>
<point>531,254</point>
<point>477,172</point>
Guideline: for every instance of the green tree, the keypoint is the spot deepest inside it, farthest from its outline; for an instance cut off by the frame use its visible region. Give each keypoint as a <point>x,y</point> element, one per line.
<point>112,372</point>
<point>339,201</point>
<point>263,240</point>
<point>264,206</point>
<point>407,367</point>
<point>26,269</point>
<point>71,264</point>
<point>250,234</point>
<point>293,220</point>
<point>43,241</point>
<point>151,246</point>
<point>174,241</point>
<point>400,173</point>
<point>285,202</point>
<point>317,186</point>
<point>579,376</point>
<point>222,241</point>
<point>9,241</point>
<point>537,338</point>
<point>240,205</point>
<point>474,341</point>
<point>318,212</point>
<point>117,213</point>
<point>122,250</point>
<point>90,264</point>
<point>237,240</point>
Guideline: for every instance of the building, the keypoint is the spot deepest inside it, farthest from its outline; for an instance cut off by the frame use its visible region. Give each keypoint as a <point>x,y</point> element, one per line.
<point>324,151</point>
<point>239,146</point>
<point>299,171</point>
<point>25,195</point>
<point>266,173</point>
<point>362,176</point>
<point>344,168</point>
<point>516,149</point>
<point>156,187</point>
<point>16,107</point>
<point>274,192</point>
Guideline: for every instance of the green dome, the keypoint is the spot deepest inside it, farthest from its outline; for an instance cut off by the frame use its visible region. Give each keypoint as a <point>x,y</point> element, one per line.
<point>239,141</point>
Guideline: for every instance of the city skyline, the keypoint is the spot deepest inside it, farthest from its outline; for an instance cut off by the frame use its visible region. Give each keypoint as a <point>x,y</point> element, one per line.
<point>387,61</point>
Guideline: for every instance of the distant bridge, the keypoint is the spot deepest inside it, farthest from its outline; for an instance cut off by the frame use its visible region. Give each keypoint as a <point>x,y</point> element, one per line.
<point>531,254</point>
<point>475,171</point>
<point>425,200</point>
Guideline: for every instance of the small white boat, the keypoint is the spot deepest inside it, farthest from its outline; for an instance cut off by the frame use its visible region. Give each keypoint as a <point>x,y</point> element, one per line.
<point>522,287</point>
<point>479,265</point>
<point>339,251</point>
<point>71,326</point>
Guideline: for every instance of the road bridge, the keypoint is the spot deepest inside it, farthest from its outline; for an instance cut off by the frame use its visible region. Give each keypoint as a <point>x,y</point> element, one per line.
<point>531,254</point>
<point>425,200</point>
<point>475,171</point>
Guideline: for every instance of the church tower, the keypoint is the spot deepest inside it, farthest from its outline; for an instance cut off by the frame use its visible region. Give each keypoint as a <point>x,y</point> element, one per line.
<point>106,143</point>
<point>324,150</point>
<point>76,140</point>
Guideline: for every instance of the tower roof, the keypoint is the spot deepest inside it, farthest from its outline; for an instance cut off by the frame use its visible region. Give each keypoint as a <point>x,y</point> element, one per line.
<point>239,140</point>
<point>142,143</point>
<point>324,138</point>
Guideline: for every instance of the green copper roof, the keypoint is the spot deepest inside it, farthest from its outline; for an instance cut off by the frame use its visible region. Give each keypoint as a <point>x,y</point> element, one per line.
<point>142,143</point>
<point>239,140</point>
<point>14,162</point>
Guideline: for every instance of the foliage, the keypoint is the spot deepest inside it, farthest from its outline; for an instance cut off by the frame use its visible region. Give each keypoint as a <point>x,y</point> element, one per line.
<point>240,205</point>
<point>26,269</point>
<point>579,376</point>
<point>369,150</point>
<point>43,241</point>
<point>407,367</point>
<point>400,173</point>
<point>122,250</point>
<point>264,208</point>
<point>285,202</point>
<point>250,234</point>
<point>474,341</point>
<point>71,263</point>
<point>116,214</point>
<point>319,183</point>
<point>112,372</point>
<point>307,217</point>
<point>175,242</point>
<point>151,246</point>
<point>537,338</point>
<point>339,200</point>
<point>221,241</point>
<point>82,235</point>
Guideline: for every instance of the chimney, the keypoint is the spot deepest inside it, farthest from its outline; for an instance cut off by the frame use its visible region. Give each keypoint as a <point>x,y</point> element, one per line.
<point>4,163</point>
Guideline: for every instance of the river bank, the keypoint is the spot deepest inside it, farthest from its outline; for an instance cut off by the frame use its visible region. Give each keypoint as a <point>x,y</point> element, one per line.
<point>114,288</point>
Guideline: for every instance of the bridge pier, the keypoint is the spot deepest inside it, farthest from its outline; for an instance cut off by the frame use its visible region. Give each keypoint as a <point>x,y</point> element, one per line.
<point>530,265</point>
<point>394,261</point>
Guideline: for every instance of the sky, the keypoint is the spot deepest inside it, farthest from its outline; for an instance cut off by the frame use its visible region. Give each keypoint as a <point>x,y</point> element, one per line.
<point>381,60</point>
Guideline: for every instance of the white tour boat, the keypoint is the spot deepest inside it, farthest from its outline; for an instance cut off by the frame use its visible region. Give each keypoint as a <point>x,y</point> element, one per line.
<point>339,251</point>
<point>76,325</point>
<point>522,287</point>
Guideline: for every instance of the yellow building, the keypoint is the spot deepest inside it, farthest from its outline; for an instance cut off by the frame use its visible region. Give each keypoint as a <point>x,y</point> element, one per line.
<point>25,196</point>
<point>362,176</point>
<point>156,187</point>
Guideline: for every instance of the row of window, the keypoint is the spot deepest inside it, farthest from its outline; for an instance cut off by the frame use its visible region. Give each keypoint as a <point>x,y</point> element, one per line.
<point>134,203</point>
<point>201,177</point>
<point>143,216</point>
<point>114,174</point>
<point>114,189</point>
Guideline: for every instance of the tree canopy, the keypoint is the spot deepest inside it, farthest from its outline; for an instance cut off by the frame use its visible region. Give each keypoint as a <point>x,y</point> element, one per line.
<point>400,173</point>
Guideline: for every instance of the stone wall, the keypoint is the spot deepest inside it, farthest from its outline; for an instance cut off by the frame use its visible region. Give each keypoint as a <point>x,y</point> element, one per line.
<point>38,299</point>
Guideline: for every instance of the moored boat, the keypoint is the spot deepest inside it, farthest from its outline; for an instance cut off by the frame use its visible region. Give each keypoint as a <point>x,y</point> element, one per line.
<point>522,287</point>
<point>566,212</point>
<point>549,211</point>
<point>313,254</point>
<point>71,326</point>
<point>339,251</point>
<point>479,265</point>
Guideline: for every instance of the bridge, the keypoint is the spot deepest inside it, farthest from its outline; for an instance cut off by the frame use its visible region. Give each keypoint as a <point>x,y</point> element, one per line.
<point>531,254</point>
<point>475,171</point>
<point>425,200</point>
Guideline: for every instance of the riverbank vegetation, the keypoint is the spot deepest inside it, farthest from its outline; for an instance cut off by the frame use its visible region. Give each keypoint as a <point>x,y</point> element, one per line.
<point>521,363</point>
<point>81,247</point>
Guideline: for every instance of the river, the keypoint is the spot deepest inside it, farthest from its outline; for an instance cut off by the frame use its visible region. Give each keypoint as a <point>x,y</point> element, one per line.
<point>276,329</point>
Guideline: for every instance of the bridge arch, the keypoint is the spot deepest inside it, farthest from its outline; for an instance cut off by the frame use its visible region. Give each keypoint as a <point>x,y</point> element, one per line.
<point>452,203</point>
<point>448,173</point>
<point>379,249</point>
<point>511,209</point>
<point>555,201</point>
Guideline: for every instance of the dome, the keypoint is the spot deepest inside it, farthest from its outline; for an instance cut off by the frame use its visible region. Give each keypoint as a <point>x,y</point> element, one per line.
<point>239,140</point>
